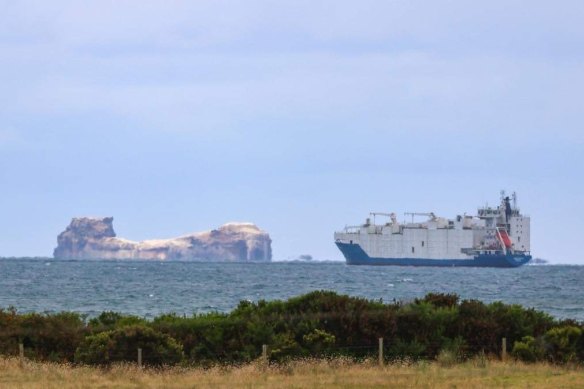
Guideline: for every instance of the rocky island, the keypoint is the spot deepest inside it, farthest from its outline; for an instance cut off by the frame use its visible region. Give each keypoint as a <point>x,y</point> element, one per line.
<point>94,238</point>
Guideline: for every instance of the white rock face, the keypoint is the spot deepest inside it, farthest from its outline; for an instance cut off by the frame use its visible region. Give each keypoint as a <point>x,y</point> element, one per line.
<point>94,238</point>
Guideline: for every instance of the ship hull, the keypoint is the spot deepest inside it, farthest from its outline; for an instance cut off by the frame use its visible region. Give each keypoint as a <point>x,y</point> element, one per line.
<point>355,255</point>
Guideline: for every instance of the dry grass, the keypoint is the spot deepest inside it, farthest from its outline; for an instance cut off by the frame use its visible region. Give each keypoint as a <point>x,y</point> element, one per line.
<point>302,374</point>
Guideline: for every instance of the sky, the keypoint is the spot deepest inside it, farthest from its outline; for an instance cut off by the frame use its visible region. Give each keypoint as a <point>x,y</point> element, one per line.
<point>300,116</point>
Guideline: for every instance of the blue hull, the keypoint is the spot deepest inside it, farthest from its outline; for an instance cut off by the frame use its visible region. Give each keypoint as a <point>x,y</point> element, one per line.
<point>355,255</point>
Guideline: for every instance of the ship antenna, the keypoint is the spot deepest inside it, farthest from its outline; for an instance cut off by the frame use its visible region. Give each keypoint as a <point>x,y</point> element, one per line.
<point>514,196</point>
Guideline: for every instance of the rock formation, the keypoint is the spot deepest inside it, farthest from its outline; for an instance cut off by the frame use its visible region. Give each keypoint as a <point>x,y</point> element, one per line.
<point>94,238</point>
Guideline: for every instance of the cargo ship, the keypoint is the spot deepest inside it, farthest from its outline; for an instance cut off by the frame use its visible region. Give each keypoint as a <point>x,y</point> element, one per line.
<point>494,237</point>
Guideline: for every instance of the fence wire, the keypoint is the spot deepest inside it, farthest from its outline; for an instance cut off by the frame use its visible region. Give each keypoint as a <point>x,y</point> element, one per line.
<point>147,356</point>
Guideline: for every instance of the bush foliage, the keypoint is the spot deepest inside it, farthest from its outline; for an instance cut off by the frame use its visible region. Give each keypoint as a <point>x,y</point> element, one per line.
<point>319,323</point>
<point>122,344</point>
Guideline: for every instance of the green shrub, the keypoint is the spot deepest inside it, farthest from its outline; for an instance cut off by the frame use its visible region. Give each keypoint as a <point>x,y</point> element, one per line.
<point>318,341</point>
<point>9,331</point>
<point>403,350</point>
<point>285,347</point>
<point>109,320</point>
<point>457,347</point>
<point>562,343</point>
<point>478,328</point>
<point>528,349</point>
<point>514,322</point>
<point>319,323</point>
<point>440,300</point>
<point>49,337</point>
<point>122,345</point>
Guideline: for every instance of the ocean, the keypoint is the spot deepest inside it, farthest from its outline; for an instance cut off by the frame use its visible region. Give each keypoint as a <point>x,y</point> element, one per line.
<point>150,288</point>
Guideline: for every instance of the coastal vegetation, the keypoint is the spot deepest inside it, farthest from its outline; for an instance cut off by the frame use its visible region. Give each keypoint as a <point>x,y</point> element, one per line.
<point>320,324</point>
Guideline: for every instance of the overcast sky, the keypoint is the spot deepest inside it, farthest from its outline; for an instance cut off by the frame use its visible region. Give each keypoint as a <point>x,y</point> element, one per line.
<point>299,116</point>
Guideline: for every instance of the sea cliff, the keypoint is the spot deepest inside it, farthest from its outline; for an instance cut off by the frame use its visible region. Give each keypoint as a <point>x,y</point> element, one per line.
<point>95,238</point>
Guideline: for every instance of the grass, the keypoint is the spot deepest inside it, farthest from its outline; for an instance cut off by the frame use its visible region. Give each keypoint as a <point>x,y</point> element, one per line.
<point>336,373</point>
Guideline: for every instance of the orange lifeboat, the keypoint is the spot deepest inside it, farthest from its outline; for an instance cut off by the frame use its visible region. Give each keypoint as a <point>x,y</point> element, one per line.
<point>505,238</point>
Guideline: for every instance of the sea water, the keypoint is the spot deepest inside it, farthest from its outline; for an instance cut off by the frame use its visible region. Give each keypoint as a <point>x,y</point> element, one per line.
<point>147,288</point>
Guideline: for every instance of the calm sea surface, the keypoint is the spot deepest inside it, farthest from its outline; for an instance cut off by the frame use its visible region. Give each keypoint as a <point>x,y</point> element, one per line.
<point>150,288</point>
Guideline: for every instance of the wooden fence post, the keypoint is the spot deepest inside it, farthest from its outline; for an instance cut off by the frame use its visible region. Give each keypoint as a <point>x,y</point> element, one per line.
<point>380,351</point>
<point>21,353</point>
<point>504,349</point>
<point>265,353</point>
<point>139,358</point>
